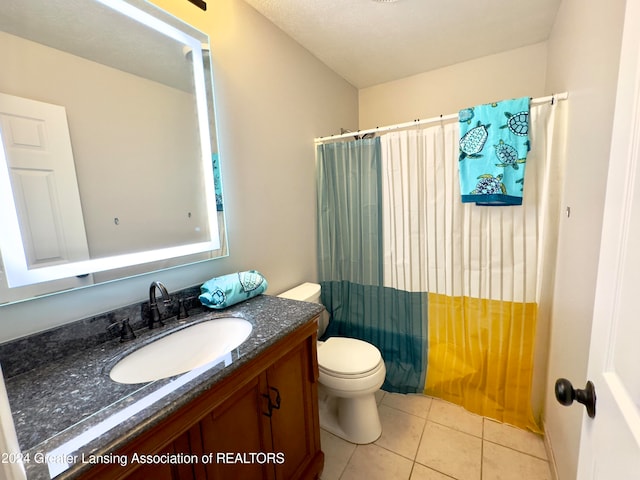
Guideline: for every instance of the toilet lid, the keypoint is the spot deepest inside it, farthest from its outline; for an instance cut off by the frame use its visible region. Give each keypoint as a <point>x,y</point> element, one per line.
<point>347,356</point>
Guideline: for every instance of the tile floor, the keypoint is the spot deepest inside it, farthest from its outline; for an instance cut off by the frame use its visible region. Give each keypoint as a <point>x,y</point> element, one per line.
<point>426,438</point>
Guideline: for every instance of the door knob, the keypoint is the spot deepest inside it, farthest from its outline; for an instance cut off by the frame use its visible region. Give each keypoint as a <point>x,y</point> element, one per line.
<point>566,394</point>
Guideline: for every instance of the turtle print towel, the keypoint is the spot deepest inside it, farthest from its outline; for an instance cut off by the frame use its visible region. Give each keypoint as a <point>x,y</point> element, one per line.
<point>227,290</point>
<point>494,142</point>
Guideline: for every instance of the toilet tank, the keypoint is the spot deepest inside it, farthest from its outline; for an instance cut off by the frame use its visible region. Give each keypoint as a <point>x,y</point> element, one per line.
<point>309,292</point>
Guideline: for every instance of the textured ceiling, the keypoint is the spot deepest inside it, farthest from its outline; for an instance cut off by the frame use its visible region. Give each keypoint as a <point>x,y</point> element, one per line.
<point>369,42</point>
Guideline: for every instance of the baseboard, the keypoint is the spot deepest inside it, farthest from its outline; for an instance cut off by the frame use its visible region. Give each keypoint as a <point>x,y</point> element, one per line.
<point>550,456</point>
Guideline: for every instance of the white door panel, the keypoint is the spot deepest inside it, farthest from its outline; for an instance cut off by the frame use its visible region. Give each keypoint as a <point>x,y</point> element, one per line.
<point>38,148</point>
<point>37,145</point>
<point>43,242</point>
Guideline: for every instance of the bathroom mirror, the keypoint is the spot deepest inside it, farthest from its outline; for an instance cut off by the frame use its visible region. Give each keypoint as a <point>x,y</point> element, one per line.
<point>109,163</point>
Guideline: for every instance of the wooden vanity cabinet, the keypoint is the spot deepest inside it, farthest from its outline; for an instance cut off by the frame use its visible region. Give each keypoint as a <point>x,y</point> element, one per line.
<point>261,422</point>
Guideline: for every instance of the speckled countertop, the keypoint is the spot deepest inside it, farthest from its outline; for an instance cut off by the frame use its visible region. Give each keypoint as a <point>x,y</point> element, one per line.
<point>71,407</point>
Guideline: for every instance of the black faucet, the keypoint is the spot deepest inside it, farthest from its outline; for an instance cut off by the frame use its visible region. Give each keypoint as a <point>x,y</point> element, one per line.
<point>155,320</point>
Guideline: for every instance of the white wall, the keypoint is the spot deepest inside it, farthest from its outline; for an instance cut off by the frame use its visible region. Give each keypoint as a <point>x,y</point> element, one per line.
<point>512,74</point>
<point>273,97</point>
<point>584,51</point>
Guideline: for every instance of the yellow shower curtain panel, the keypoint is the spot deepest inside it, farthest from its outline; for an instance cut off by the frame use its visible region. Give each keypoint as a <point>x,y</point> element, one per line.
<point>481,356</point>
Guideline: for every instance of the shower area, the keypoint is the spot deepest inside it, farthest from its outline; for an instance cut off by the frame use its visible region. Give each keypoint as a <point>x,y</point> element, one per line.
<point>455,295</point>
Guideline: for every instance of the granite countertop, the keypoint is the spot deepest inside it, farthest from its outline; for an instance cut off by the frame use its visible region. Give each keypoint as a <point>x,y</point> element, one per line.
<point>70,409</point>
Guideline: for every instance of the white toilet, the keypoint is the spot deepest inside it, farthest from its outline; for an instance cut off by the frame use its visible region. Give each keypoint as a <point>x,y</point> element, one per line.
<point>351,371</point>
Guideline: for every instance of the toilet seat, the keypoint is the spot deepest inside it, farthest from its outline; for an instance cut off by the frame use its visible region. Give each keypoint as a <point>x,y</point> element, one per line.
<point>338,375</point>
<point>348,358</point>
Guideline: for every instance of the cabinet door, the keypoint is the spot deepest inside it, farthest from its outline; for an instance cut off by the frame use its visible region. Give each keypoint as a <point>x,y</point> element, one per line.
<point>189,444</point>
<point>293,426</point>
<point>236,434</point>
<point>155,471</point>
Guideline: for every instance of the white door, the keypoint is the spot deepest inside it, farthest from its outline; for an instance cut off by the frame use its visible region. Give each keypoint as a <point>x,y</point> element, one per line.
<point>610,442</point>
<point>37,145</point>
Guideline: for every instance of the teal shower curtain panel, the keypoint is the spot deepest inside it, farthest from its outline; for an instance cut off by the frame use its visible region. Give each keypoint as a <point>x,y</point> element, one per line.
<point>350,260</point>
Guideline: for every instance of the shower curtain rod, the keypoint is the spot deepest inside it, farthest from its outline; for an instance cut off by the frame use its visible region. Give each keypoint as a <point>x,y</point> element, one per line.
<point>441,118</point>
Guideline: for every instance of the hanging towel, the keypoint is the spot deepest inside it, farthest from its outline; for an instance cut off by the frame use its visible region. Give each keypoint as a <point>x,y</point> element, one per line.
<point>494,142</point>
<point>217,182</point>
<point>227,290</point>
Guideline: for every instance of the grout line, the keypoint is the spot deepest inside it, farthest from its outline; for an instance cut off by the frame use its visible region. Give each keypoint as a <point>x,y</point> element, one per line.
<point>455,429</point>
<point>349,459</point>
<point>482,448</point>
<point>395,453</point>
<point>404,411</point>
<point>516,450</point>
<point>431,467</point>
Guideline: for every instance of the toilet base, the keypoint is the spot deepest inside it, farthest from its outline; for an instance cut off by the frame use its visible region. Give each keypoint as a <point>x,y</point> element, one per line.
<point>354,419</point>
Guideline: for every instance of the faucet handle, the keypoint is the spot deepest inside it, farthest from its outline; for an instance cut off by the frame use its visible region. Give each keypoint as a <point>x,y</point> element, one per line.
<point>183,311</point>
<point>126,331</point>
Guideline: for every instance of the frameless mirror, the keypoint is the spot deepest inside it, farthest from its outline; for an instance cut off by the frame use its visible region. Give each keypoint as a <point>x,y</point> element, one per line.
<point>109,163</point>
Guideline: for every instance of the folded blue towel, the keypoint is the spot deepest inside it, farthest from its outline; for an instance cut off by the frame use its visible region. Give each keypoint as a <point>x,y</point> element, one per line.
<point>222,292</point>
<point>494,142</point>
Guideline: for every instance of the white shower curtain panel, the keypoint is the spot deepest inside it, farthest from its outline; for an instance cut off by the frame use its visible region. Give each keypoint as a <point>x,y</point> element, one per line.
<point>434,243</point>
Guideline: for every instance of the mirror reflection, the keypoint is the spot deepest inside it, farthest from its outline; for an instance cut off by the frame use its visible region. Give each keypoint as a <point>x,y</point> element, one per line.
<point>108,145</point>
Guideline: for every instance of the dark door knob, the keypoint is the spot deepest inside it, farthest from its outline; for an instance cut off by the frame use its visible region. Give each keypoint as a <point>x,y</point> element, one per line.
<point>566,394</point>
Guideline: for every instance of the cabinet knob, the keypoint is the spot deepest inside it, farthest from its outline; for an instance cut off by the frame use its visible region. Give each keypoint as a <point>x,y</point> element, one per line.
<point>271,404</point>
<point>276,404</point>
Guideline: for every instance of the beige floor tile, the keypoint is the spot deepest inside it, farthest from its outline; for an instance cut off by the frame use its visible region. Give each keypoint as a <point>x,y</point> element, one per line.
<point>401,431</point>
<point>512,437</point>
<point>337,453</point>
<point>372,462</point>
<point>449,447</point>
<point>415,404</point>
<point>450,451</point>
<point>420,472</point>
<point>456,417</point>
<point>502,463</point>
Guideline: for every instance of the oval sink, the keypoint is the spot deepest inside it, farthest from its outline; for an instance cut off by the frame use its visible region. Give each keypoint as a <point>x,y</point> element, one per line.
<point>182,351</point>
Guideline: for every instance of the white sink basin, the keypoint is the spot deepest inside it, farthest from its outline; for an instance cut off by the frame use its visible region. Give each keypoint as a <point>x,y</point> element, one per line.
<point>182,351</point>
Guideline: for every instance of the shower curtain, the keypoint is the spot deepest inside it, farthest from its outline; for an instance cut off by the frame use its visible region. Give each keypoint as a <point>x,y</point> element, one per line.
<point>449,292</point>
<point>350,249</point>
